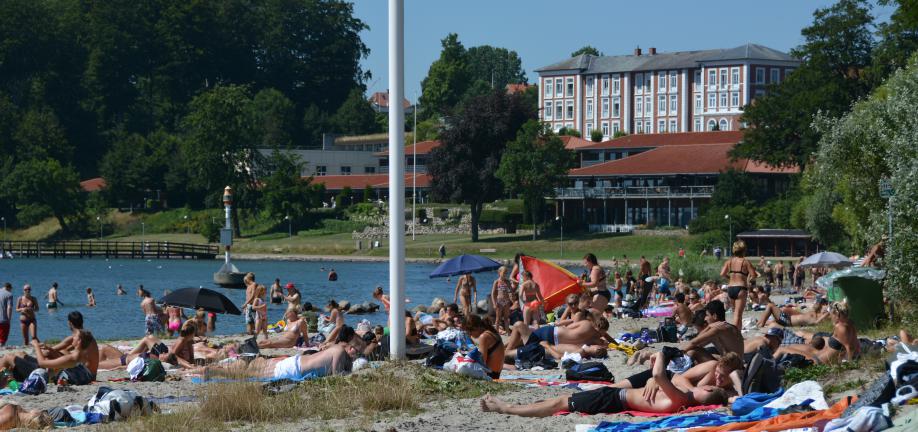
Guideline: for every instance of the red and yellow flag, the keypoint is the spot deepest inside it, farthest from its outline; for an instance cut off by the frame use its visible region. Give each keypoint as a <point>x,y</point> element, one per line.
<point>554,281</point>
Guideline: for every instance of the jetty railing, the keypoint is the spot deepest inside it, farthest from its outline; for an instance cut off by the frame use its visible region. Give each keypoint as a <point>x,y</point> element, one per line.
<point>108,249</point>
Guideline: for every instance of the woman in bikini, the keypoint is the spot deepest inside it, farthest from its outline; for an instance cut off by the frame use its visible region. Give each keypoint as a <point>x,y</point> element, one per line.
<point>739,271</point>
<point>531,300</point>
<point>466,293</point>
<point>501,300</point>
<point>175,320</point>
<point>597,283</point>
<point>27,305</point>
<point>489,343</point>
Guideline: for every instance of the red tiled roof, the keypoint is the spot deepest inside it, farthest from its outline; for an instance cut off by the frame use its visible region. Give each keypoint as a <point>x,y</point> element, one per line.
<point>669,139</point>
<point>757,167</point>
<point>93,184</point>
<point>382,99</point>
<point>517,88</point>
<point>423,148</point>
<point>678,159</point>
<point>375,181</point>
<point>574,143</point>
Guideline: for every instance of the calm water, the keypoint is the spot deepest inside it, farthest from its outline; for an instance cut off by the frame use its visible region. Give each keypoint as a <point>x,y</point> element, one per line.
<point>120,316</point>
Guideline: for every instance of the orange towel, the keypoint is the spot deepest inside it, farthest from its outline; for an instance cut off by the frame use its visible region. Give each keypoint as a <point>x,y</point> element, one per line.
<point>784,422</point>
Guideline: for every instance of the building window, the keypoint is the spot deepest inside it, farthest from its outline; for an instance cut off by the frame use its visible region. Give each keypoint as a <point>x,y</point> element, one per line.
<point>639,127</point>
<point>712,78</point>
<point>672,126</point>
<point>569,125</point>
<point>760,75</point>
<point>345,170</point>
<point>615,128</point>
<point>698,102</point>
<point>696,83</point>
<point>648,108</point>
<point>616,107</point>
<point>589,108</point>
<point>547,110</point>
<point>559,87</point>
<point>589,86</point>
<point>321,170</point>
<point>569,115</point>
<point>661,82</point>
<point>697,126</point>
<point>723,77</point>
<point>734,99</point>
<point>661,126</point>
<point>647,82</point>
<point>647,126</point>
<point>559,110</point>
<point>369,170</point>
<point>639,83</point>
<point>661,105</point>
<point>616,84</point>
<point>605,85</point>
<point>569,89</point>
<point>723,99</point>
<point>673,104</point>
<point>712,125</point>
<point>673,82</point>
<point>588,129</point>
<point>712,100</point>
<point>605,129</point>
<point>557,127</point>
<point>604,113</point>
<point>548,87</point>
<point>775,75</point>
<point>723,125</point>
<point>734,76</point>
<point>639,107</point>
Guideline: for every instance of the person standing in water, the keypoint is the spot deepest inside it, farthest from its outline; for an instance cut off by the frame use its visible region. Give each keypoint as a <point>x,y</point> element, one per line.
<point>466,293</point>
<point>52,296</point>
<point>152,325</point>
<point>293,297</point>
<point>332,275</point>
<point>277,297</point>
<point>90,298</point>
<point>120,290</point>
<point>27,305</point>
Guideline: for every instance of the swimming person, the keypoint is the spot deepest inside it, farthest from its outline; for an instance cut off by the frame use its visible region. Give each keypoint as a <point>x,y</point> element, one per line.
<point>501,299</point>
<point>120,290</point>
<point>52,296</point>
<point>152,325</point>
<point>27,305</point>
<point>739,271</point>
<point>465,288</point>
<point>332,275</point>
<point>597,283</point>
<point>90,298</point>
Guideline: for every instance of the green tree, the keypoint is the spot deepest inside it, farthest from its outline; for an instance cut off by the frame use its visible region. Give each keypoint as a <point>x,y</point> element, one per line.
<point>447,79</point>
<point>834,56</point>
<point>343,199</point>
<point>136,164</point>
<point>41,188</point>
<point>286,192</point>
<point>534,164</point>
<point>494,66</point>
<point>587,49</point>
<point>315,123</point>
<point>898,39</point>
<point>275,119</point>
<point>356,115</point>
<point>464,167</point>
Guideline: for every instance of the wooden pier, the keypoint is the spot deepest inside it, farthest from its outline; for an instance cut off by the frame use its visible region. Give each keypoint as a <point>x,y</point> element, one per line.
<point>108,249</point>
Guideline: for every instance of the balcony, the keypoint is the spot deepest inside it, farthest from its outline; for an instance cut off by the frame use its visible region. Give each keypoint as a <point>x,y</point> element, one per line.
<point>633,192</point>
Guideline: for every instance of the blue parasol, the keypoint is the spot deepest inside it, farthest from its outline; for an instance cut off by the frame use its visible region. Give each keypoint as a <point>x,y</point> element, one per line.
<point>463,264</point>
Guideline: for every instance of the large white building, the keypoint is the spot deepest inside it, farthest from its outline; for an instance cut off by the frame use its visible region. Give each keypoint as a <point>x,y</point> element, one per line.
<point>653,92</point>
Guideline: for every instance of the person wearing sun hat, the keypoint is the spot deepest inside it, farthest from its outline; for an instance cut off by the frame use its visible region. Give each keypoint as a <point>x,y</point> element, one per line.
<point>293,297</point>
<point>770,341</point>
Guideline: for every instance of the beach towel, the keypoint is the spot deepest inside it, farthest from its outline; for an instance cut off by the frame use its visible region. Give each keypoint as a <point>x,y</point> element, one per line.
<point>748,403</point>
<point>865,419</point>
<point>800,392</point>
<point>783,422</point>
<point>650,414</point>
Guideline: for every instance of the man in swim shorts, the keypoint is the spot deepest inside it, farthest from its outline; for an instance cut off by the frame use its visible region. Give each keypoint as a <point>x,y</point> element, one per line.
<point>591,331</point>
<point>52,296</point>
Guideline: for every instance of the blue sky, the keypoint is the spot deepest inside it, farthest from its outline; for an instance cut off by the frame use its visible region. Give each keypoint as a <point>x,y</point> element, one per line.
<point>544,32</point>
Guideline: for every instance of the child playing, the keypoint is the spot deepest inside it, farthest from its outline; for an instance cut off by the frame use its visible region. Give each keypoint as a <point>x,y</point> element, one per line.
<point>261,311</point>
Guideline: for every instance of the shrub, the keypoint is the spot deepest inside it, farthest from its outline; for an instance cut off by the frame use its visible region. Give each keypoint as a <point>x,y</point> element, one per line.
<point>596,135</point>
<point>209,230</point>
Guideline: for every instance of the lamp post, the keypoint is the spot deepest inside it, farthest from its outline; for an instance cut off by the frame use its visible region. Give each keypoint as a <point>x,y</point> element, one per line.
<point>561,221</point>
<point>730,238</point>
<point>99,218</point>
<point>3,218</point>
<point>187,228</point>
<point>289,226</point>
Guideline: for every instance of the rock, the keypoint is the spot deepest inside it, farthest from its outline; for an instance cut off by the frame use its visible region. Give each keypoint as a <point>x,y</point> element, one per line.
<point>372,307</point>
<point>358,309</point>
<point>344,305</point>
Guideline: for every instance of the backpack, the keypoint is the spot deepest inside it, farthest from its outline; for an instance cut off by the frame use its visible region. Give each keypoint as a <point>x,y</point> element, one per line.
<point>442,352</point>
<point>589,371</point>
<point>141,369</point>
<point>762,374</point>
<point>533,355</point>
<point>249,347</point>
<point>36,383</point>
<point>118,404</point>
<point>667,331</point>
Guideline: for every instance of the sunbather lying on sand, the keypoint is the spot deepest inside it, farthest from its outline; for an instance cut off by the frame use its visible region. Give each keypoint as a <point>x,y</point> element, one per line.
<point>592,331</point>
<point>13,416</point>
<point>294,331</point>
<point>334,360</point>
<point>183,347</point>
<point>612,400</point>
<point>791,316</point>
<point>815,350</point>
<point>723,373</point>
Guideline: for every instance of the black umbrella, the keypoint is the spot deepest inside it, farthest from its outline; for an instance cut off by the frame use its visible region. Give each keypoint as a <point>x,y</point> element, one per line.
<point>201,298</point>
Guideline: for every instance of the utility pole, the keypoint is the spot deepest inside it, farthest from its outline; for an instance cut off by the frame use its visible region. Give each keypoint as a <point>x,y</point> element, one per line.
<point>396,180</point>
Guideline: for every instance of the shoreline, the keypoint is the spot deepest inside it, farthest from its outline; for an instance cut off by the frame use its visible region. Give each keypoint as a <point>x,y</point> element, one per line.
<point>371,259</point>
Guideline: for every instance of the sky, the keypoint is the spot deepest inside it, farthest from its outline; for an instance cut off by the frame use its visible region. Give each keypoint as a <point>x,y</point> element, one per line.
<point>544,32</point>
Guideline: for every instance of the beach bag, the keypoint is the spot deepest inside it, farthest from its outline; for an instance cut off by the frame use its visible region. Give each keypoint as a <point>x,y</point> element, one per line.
<point>464,365</point>
<point>153,370</point>
<point>113,405</point>
<point>667,331</point>
<point>533,355</point>
<point>442,352</point>
<point>249,347</point>
<point>762,375</point>
<point>36,383</point>
<point>589,371</point>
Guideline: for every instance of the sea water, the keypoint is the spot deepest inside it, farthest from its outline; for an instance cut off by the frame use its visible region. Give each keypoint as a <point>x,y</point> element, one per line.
<point>120,317</point>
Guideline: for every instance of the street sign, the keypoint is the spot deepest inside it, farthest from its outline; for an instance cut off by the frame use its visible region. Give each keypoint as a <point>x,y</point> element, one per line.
<point>886,189</point>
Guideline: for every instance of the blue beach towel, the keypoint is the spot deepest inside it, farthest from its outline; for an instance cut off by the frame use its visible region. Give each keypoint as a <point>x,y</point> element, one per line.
<point>748,403</point>
<point>677,422</point>
<point>199,380</point>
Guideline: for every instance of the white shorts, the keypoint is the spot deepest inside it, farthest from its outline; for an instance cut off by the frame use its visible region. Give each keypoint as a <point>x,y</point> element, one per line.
<point>288,368</point>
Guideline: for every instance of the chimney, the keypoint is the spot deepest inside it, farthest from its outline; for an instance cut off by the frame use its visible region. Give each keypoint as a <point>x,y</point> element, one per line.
<point>637,51</point>
<point>653,51</point>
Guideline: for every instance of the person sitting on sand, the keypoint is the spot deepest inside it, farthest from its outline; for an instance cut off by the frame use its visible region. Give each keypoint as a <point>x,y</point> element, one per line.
<point>76,367</point>
<point>14,416</point>
<point>489,343</point>
<point>770,341</point>
<point>725,336</point>
<point>69,345</point>
<point>579,333</point>
<point>337,359</point>
<point>610,400</point>
<point>335,318</point>
<point>682,313</point>
<point>723,372</point>
<point>789,315</point>
<point>294,334</point>
<point>578,307</point>
<point>90,298</point>
<point>182,348</point>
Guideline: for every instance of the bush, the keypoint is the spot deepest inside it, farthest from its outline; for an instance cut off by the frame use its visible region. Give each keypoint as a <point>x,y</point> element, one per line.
<point>596,135</point>
<point>209,230</point>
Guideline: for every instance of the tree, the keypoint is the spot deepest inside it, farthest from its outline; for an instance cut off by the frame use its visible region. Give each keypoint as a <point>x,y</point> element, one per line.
<point>596,135</point>
<point>136,164</point>
<point>834,56</point>
<point>315,123</point>
<point>343,199</point>
<point>464,167</point>
<point>286,192</point>
<point>898,40</point>
<point>495,66</point>
<point>41,188</point>
<point>356,115</point>
<point>367,193</point>
<point>447,79</point>
<point>587,49</point>
<point>275,119</point>
<point>534,164</point>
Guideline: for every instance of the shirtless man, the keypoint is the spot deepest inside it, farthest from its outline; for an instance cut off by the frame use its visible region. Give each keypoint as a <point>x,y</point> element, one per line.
<point>770,340</point>
<point>682,313</point>
<point>725,336</point>
<point>52,296</point>
<point>151,312</point>
<point>579,333</point>
<point>815,350</point>
<point>337,359</point>
<point>294,332</point>
<point>790,316</point>
<point>247,312</point>
<point>77,366</point>
<point>585,351</point>
<point>780,271</point>
<point>81,374</point>
<point>612,400</point>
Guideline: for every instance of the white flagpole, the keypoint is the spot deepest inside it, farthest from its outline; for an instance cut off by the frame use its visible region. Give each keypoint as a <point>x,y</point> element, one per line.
<point>396,180</point>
